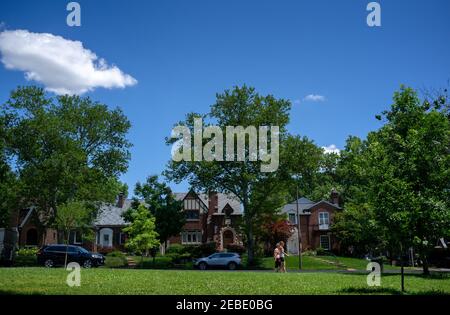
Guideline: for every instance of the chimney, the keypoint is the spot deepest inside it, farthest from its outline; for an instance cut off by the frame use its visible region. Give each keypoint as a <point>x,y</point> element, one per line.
<point>121,200</point>
<point>335,197</point>
<point>213,202</point>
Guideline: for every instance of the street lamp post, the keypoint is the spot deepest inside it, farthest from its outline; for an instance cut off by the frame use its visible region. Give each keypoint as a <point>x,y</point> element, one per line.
<point>299,235</point>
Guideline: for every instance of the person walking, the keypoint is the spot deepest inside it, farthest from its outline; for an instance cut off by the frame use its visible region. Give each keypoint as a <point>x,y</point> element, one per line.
<point>277,257</point>
<point>283,256</point>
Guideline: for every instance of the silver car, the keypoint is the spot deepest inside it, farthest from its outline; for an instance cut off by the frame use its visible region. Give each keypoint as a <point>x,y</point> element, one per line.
<point>219,260</point>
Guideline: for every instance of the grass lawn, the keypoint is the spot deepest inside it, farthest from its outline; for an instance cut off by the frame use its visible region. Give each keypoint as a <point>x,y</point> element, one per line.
<point>325,263</point>
<point>39,280</point>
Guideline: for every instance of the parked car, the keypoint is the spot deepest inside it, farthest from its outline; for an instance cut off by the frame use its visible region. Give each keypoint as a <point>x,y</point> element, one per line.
<point>54,255</point>
<point>219,260</point>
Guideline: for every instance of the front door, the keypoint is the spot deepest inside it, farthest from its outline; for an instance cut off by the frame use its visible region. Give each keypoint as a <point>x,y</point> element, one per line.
<point>228,238</point>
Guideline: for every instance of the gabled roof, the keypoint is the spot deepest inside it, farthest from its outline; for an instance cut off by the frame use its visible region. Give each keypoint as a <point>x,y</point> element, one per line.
<point>326,202</point>
<point>303,205</point>
<point>223,200</point>
<point>231,200</point>
<point>111,215</point>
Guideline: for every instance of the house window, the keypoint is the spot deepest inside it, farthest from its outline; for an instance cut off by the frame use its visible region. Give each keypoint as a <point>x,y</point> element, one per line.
<point>191,204</point>
<point>78,239</point>
<point>325,242</point>
<point>292,218</point>
<point>192,214</point>
<point>324,220</point>
<point>191,237</point>
<point>75,237</point>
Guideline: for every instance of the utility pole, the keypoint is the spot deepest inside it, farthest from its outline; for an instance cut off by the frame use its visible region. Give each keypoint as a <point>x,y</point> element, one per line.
<point>299,235</point>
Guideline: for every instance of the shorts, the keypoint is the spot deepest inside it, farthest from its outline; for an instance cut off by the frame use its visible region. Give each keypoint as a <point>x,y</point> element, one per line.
<point>282,259</point>
<point>277,262</point>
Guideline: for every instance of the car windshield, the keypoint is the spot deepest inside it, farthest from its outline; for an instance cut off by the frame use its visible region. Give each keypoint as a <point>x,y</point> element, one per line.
<point>81,249</point>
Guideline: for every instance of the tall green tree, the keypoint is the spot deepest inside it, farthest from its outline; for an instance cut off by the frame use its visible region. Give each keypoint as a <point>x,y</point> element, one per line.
<point>142,235</point>
<point>241,106</point>
<point>410,172</point>
<point>162,204</point>
<point>64,148</point>
<point>397,181</point>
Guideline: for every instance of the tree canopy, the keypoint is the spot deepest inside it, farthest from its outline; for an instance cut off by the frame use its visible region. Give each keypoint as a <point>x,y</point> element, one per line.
<point>63,148</point>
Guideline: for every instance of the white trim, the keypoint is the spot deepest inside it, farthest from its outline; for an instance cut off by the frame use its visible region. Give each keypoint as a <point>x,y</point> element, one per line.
<point>324,220</point>
<point>186,235</point>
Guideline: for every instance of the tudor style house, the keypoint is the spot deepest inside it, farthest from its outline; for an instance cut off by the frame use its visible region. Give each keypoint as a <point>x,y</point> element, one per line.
<point>315,221</point>
<point>212,217</point>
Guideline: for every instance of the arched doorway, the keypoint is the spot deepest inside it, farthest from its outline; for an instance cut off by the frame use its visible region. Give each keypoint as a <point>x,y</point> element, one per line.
<point>228,238</point>
<point>32,237</point>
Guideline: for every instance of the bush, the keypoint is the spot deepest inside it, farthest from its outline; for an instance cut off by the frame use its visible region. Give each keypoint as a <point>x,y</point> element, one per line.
<point>235,248</point>
<point>176,258</point>
<point>115,262</point>
<point>116,259</point>
<point>176,249</point>
<point>322,252</point>
<point>116,253</point>
<point>26,257</point>
<point>202,250</point>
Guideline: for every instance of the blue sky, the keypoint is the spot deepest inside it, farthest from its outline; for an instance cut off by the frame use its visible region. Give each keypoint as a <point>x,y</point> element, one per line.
<point>183,52</point>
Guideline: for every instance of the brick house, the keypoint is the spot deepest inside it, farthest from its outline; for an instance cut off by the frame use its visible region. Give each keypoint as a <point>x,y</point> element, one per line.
<point>212,217</point>
<point>315,222</point>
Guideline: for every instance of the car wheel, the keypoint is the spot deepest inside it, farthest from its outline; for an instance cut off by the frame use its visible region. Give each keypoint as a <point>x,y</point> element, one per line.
<point>87,263</point>
<point>232,266</point>
<point>49,263</point>
<point>203,266</point>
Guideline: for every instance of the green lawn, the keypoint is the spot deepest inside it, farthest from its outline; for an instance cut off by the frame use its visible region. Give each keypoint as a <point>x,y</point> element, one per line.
<point>325,263</point>
<point>39,280</point>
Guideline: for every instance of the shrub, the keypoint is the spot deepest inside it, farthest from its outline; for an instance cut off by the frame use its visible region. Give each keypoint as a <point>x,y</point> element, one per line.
<point>176,249</point>
<point>322,252</point>
<point>202,250</point>
<point>26,257</point>
<point>115,262</point>
<point>116,253</point>
<point>235,248</point>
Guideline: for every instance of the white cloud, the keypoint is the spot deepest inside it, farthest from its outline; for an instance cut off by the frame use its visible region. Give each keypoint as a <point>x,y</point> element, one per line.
<point>332,148</point>
<point>314,98</point>
<point>63,66</point>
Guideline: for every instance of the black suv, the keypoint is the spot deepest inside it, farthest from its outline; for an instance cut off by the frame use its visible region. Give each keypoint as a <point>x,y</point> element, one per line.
<point>53,255</point>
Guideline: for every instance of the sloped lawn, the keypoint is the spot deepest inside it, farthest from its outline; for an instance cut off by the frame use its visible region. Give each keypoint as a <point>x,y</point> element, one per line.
<point>40,280</point>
